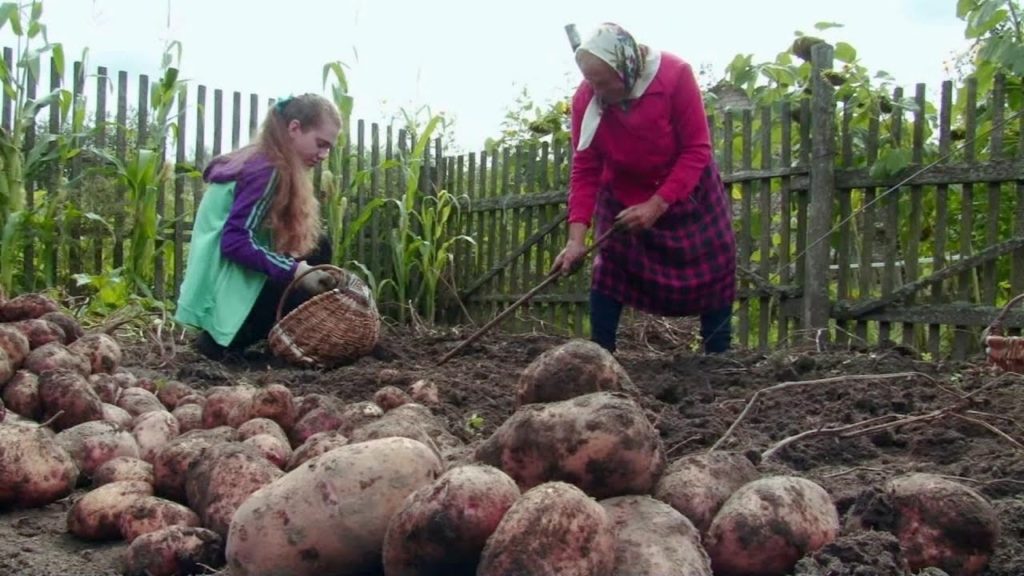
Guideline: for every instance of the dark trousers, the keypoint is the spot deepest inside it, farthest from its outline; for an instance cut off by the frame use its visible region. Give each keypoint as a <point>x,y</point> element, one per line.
<point>263,314</point>
<point>605,312</point>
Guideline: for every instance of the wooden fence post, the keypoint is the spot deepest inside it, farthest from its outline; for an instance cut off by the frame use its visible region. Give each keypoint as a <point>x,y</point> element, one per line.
<point>816,305</point>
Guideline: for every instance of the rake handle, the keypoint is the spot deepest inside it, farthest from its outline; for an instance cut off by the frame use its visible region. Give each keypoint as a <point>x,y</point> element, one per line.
<point>554,275</point>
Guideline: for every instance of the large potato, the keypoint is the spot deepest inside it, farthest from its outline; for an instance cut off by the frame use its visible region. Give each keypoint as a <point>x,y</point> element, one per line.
<point>552,530</point>
<point>67,399</point>
<point>40,332</point>
<point>72,329</point>
<point>21,395</point>
<point>117,416</point>
<point>103,352</point>
<point>137,401</point>
<point>272,448</point>
<point>15,344</point>
<point>258,426</point>
<point>149,514</point>
<point>442,527</point>
<point>55,356</point>
<point>222,479</point>
<point>97,514</point>
<point>651,537</point>
<point>938,522</point>
<point>106,387</point>
<point>189,417</point>
<point>93,444</point>
<point>221,400</point>
<point>174,551</point>
<point>697,485</point>
<point>121,469</point>
<point>600,442</point>
<point>575,368</point>
<point>34,469</point>
<point>171,464</point>
<point>330,515</point>
<point>26,306</point>
<point>153,430</point>
<point>274,402</point>
<point>767,525</point>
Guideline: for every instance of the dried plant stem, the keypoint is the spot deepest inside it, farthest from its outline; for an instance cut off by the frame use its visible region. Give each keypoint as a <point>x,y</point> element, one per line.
<point>784,385</point>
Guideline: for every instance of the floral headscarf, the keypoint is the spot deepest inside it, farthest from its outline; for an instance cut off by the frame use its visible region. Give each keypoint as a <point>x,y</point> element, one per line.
<point>635,64</point>
<point>613,44</point>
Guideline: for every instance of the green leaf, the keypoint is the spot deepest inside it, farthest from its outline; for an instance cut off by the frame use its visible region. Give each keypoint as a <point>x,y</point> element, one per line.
<point>15,19</point>
<point>965,6</point>
<point>845,52</point>
<point>826,25</point>
<point>8,10</point>
<point>37,10</point>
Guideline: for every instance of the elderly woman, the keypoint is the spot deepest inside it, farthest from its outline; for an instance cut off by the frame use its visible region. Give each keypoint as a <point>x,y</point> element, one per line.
<point>642,160</point>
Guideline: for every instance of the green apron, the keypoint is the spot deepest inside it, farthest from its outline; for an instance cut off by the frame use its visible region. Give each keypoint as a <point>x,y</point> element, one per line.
<point>216,293</point>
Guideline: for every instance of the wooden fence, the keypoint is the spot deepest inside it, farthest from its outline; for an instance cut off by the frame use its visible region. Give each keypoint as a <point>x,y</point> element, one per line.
<point>822,243</point>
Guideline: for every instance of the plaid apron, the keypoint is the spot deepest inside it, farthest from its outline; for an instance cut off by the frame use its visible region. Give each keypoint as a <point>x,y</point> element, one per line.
<point>684,265</point>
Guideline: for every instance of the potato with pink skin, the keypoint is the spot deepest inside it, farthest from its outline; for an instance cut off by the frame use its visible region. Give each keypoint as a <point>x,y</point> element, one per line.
<point>314,446</point>
<point>939,522</point>
<point>40,332</point>
<point>171,392</point>
<point>15,344</point>
<point>390,397</point>
<point>97,514</point>
<point>274,402</point>
<point>67,399</point>
<point>316,421</point>
<point>122,469</point>
<point>103,352</point>
<point>653,538</point>
<point>55,356</point>
<point>698,484</point>
<point>227,474</point>
<point>126,379</point>
<point>137,401</point>
<point>194,399</point>
<point>93,444</point>
<point>171,464</point>
<point>117,416</point>
<point>72,329</point>
<point>305,404</point>
<point>221,400</point>
<point>442,527</point>
<point>278,452</point>
<point>34,469</point>
<point>553,529</point>
<point>330,515</point>
<point>27,306</point>
<point>767,525</point>
<point>153,430</point>
<point>601,442</point>
<point>189,417</point>
<point>21,395</point>
<point>106,388</point>
<point>151,514</point>
<point>262,426</point>
<point>174,551</point>
<point>575,368</point>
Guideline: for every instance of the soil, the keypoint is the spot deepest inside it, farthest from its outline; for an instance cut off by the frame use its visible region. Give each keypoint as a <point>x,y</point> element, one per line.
<point>693,399</point>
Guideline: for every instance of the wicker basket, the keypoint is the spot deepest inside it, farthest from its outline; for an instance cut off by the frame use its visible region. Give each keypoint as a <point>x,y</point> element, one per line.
<point>1007,352</point>
<point>332,327</point>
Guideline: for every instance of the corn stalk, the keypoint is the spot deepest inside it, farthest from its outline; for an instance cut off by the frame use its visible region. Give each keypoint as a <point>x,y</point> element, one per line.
<point>17,163</point>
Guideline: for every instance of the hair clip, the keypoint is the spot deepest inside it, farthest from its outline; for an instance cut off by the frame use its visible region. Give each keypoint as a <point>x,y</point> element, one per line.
<point>282,103</point>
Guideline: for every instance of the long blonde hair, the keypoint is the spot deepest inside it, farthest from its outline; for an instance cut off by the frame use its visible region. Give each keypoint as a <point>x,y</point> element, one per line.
<point>294,216</point>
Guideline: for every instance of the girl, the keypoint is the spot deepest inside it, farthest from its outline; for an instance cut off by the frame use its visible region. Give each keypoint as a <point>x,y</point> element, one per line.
<point>642,158</point>
<point>258,227</point>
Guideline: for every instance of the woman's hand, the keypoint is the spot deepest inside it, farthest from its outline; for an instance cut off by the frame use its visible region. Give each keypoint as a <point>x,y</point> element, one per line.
<point>569,258</point>
<point>642,216</point>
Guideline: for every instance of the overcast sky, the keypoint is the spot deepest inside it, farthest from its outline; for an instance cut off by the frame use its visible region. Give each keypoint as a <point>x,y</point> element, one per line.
<point>452,57</point>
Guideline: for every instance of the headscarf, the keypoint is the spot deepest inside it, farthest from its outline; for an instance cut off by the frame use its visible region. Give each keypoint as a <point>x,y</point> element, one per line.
<point>636,65</point>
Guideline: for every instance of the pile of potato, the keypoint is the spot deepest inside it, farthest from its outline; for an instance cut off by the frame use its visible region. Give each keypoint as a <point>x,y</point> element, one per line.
<point>259,482</point>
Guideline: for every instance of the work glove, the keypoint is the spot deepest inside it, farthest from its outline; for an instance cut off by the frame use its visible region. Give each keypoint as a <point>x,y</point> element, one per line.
<point>316,282</point>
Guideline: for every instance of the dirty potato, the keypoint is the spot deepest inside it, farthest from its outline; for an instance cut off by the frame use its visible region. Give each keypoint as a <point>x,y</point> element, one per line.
<point>601,442</point>
<point>152,513</point>
<point>330,515</point>
<point>698,484</point>
<point>651,537</point>
<point>34,469</point>
<point>97,514</point>
<point>227,474</point>
<point>123,468</point>
<point>442,527</point>
<point>553,529</point>
<point>173,551</point>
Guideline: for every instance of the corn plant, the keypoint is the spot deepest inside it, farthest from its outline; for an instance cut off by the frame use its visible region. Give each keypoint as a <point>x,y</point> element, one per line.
<point>435,246</point>
<point>16,163</point>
